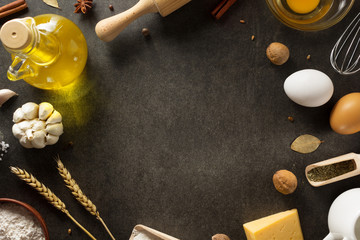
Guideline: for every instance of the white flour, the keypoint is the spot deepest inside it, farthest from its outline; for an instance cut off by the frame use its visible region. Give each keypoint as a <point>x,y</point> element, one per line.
<point>17,223</point>
<point>143,236</point>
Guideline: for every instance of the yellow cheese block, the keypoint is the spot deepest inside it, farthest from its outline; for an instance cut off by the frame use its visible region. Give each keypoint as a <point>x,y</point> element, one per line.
<point>280,226</point>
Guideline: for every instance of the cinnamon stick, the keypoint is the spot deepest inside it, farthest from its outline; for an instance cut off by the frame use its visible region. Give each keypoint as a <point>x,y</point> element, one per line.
<point>12,8</point>
<point>220,9</point>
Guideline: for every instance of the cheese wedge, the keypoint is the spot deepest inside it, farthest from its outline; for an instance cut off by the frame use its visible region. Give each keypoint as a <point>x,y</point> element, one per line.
<point>280,226</point>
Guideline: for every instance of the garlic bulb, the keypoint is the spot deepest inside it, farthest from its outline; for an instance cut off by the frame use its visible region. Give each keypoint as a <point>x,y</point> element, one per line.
<point>37,125</point>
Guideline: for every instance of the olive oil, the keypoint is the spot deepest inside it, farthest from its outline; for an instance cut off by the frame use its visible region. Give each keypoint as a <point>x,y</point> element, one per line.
<point>55,55</point>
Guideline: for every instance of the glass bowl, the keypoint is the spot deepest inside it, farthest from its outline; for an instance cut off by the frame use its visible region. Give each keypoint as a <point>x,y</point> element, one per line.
<point>35,213</point>
<point>325,15</point>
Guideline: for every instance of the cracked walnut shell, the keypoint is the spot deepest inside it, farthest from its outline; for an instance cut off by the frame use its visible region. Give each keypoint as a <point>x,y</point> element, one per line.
<point>285,181</point>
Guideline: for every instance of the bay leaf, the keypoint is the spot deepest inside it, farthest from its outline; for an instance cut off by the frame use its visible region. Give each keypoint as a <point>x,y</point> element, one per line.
<point>52,3</point>
<point>305,144</point>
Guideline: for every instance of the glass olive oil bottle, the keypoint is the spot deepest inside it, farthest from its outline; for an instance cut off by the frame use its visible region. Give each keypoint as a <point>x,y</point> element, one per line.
<point>48,51</point>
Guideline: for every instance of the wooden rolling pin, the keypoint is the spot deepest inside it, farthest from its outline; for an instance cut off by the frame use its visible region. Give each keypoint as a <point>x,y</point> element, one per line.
<point>107,29</point>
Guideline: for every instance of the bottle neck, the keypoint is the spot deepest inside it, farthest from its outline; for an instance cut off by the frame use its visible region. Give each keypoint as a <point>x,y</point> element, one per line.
<point>41,47</point>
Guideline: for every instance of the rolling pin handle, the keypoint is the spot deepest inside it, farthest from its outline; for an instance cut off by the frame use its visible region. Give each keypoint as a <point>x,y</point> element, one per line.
<point>107,29</point>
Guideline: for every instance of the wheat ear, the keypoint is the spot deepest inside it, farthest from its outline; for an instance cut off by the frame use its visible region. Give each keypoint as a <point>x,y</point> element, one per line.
<point>47,193</point>
<point>78,194</point>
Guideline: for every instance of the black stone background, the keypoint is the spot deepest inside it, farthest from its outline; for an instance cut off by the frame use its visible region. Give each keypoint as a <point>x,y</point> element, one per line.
<point>182,132</point>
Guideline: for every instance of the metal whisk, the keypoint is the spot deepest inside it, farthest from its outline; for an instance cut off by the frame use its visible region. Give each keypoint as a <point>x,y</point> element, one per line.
<point>345,54</point>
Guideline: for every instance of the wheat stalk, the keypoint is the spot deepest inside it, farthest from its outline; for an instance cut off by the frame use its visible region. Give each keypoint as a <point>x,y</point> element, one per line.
<point>78,194</point>
<point>47,193</point>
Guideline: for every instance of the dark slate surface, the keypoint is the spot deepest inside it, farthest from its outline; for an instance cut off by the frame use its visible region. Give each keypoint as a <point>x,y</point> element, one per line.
<point>182,132</point>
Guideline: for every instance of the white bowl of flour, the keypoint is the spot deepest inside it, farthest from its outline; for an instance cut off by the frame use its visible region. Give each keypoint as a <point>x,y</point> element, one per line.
<point>21,221</point>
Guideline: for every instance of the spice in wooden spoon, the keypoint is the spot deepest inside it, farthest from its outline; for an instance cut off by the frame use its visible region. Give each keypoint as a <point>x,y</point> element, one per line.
<point>323,173</point>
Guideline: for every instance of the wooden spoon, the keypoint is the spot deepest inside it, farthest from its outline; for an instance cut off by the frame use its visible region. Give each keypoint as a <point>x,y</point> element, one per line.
<point>350,156</point>
<point>144,229</point>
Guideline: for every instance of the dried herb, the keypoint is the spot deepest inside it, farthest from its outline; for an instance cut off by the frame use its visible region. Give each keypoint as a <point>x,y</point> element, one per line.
<point>305,144</point>
<point>52,3</point>
<point>324,173</point>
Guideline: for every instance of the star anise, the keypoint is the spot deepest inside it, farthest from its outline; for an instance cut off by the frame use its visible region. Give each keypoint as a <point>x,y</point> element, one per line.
<point>83,6</point>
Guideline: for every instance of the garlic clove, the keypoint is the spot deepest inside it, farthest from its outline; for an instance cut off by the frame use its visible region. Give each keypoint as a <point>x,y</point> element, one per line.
<point>25,142</point>
<point>38,125</point>
<point>55,129</point>
<point>18,115</point>
<point>55,117</point>
<point>24,125</point>
<point>31,110</point>
<point>6,94</point>
<point>39,139</point>
<point>18,133</point>
<point>29,134</point>
<point>45,110</point>
<point>51,139</point>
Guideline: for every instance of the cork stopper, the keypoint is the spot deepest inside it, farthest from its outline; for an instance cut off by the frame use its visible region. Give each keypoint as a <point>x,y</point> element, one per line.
<point>15,35</point>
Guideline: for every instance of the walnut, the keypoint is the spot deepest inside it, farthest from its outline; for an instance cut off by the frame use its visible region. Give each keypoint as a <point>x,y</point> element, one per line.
<point>285,181</point>
<point>220,237</point>
<point>277,53</point>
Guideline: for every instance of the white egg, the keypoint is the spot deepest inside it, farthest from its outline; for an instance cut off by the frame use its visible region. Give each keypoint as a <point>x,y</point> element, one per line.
<point>309,87</point>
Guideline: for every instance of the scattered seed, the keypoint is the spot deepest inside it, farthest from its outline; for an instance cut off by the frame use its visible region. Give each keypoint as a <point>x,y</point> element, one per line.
<point>69,231</point>
<point>145,32</point>
<point>242,21</point>
<point>252,38</point>
<point>308,57</point>
<point>291,119</point>
<point>68,145</point>
<point>111,7</point>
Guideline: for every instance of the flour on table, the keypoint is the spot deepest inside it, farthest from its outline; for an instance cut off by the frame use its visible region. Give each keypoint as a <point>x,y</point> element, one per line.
<point>138,235</point>
<point>18,223</point>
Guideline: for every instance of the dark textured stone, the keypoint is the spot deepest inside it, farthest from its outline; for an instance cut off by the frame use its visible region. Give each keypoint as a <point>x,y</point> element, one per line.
<point>184,131</point>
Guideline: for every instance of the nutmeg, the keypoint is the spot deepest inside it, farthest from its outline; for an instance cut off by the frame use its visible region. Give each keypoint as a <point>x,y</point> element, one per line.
<point>277,53</point>
<point>220,236</point>
<point>285,181</point>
